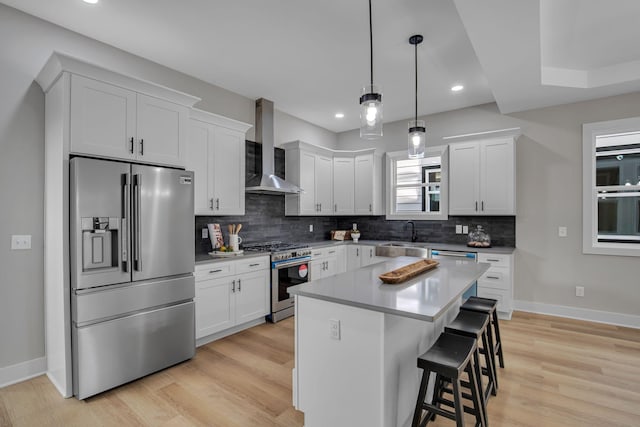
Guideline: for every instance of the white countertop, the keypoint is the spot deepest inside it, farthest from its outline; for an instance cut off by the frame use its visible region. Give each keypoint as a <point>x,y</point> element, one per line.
<point>424,297</point>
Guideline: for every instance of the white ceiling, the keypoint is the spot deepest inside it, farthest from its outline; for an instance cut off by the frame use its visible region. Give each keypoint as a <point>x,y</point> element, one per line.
<point>312,57</point>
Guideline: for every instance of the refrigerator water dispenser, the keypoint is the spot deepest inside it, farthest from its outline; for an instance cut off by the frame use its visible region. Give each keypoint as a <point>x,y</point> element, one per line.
<point>99,243</point>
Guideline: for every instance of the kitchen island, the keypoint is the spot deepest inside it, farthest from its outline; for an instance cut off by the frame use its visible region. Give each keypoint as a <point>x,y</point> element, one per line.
<point>357,340</point>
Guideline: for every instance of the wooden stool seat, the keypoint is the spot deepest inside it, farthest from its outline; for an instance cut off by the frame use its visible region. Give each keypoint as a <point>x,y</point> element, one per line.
<point>488,306</point>
<point>449,357</point>
<point>476,325</point>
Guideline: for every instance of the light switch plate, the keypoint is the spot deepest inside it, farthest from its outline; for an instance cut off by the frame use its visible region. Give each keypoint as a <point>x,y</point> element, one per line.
<point>310,228</point>
<point>205,233</point>
<point>20,242</point>
<point>458,229</point>
<point>562,231</point>
<point>465,229</point>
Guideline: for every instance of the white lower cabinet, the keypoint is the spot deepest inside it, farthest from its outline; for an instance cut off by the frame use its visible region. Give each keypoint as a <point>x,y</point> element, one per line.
<point>497,282</point>
<point>327,262</point>
<point>361,256</point>
<point>231,293</point>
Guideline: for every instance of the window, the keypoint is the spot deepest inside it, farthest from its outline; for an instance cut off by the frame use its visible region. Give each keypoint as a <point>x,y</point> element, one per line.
<point>611,187</point>
<point>417,188</point>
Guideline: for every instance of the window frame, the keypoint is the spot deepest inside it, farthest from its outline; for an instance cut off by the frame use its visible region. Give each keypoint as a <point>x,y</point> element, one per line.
<point>390,183</point>
<point>590,243</point>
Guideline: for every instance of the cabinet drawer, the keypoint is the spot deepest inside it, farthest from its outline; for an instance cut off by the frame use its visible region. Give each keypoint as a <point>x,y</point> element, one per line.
<point>497,260</point>
<point>502,296</point>
<point>253,264</point>
<point>214,270</point>
<point>496,277</point>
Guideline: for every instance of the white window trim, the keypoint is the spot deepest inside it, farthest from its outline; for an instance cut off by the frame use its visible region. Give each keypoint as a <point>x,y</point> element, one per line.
<point>391,157</point>
<point>590,244</point>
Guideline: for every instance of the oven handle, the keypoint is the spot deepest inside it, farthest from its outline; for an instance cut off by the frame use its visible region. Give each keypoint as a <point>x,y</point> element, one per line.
<point>298,261</point>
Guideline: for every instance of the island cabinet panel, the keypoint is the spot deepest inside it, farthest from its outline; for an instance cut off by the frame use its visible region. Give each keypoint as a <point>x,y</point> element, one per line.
<point>368,377</point>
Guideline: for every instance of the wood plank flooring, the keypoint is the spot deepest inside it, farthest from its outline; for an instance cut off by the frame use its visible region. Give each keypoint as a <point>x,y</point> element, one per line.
<point>559,372</point>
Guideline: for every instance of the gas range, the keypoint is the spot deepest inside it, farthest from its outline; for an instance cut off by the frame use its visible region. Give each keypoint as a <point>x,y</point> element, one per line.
<point>280,251</point>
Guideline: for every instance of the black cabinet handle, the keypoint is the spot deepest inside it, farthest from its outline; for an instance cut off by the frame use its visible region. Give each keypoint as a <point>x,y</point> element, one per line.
<point>131,145</point>
<point>254,265</point>
<point>141,147</point>
<point>215,271</point>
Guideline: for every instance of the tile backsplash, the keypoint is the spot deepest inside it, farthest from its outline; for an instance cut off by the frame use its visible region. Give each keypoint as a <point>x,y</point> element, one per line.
<point>265,221</point>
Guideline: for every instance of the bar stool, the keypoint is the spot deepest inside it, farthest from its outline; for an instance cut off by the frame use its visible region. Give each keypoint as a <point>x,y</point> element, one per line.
<point>488,306</point>
<point>476,325</point>
<point>448,358</point>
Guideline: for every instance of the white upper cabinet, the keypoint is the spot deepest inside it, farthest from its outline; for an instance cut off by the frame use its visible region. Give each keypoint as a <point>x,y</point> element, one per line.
<point>334,182</point>
<point>482,177</point>
<point>110,121</point>
<point>103,119</point>
<point>365,185</point>
<point>343,185</point>
<point>216,154</point>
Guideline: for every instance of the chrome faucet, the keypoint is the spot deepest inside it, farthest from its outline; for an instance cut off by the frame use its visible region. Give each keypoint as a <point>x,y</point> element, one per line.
<point>414,235</point>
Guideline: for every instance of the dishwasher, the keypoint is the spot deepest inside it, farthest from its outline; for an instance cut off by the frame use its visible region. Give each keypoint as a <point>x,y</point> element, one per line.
<point>440,254</point>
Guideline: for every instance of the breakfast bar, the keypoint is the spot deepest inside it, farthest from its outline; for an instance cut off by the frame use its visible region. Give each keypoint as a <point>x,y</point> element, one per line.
<point>357,340</point>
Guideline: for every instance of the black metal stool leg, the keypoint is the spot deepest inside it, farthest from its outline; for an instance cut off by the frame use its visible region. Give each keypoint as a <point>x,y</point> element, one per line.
<point>422,392</point>
<point>476,397</point>
<point>490,362</point>
<point>498,339</point>
<point>457,402</point>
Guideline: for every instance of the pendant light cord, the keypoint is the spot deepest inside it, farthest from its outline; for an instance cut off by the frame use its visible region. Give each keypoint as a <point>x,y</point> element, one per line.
<point>371,44</point>
<point>416,63</point>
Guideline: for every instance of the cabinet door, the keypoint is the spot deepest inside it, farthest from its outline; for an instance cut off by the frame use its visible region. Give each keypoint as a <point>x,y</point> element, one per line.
<point>343,185</point>
<point>331,266</point>
<point>252,296</point>
<point>161,131</point>
<point>103,119</point>
<point>215,308</point>
<point>317,269</point>
<point>354,257</point>
<point>364,184</point>
<point>497,177</point>
<point>228,172</point>
<point>199,156</point>
<point>308,205</point>
<point>464,185</point>
<point>324,184</point>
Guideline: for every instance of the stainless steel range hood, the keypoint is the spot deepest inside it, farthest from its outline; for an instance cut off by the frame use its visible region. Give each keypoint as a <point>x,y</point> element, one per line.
<point>268,182</point>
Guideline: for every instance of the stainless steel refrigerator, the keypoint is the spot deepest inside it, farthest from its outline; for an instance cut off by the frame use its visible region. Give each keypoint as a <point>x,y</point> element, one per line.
<point>132,261</point>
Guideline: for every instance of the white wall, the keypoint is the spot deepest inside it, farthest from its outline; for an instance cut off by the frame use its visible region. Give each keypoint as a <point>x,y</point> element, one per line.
<point>288,128</point>
<point>25,45</point>
<point>549,195</point>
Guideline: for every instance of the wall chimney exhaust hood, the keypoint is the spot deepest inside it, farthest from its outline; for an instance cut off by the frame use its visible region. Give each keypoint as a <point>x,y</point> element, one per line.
<point>268,182</point>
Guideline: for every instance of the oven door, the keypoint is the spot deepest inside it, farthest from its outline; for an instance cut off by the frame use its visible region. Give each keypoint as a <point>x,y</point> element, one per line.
<point>283,275</point>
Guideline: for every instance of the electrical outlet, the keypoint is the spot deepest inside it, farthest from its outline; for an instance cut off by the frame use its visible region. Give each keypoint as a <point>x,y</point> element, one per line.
<point>355,226</point>
<point>20,242</point>
<point>579,291</point>
<point>205,233</point>
<point>562,231</point>
<point>334,329</point>
<point>310,228</point>
<point>458,229</point>
<point>465,229</point>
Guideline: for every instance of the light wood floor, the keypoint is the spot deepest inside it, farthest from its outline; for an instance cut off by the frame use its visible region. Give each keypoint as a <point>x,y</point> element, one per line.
<point>559,372</point>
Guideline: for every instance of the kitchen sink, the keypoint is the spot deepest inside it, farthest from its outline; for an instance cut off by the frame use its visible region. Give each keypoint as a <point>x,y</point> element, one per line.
<point>395,249</point>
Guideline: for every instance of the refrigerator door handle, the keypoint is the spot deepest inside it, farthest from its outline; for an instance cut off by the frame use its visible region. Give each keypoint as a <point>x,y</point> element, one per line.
<point>124,229</point>
<point>136,214</point>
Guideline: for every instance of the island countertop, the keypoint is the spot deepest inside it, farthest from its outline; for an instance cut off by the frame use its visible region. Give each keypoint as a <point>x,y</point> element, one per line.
<point>424,297</point>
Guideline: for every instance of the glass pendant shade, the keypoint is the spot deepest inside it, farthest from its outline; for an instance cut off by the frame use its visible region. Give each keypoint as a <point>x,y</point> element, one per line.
<point>417,139</point>
<point>371,112</point>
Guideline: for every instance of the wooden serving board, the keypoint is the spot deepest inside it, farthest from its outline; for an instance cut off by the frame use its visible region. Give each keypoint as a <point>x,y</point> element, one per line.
<point>405,273</point>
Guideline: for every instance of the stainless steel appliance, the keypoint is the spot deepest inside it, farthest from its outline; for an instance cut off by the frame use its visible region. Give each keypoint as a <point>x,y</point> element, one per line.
<point>132,261</point>
<point>439,254</point>
<point>290,266</point>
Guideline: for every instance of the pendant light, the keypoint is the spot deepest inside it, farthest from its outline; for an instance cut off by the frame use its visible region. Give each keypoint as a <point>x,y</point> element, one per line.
<point>417,130</point>
<point>371,100</point>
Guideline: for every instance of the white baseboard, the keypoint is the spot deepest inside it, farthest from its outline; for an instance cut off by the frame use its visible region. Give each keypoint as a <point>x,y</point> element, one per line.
<point>230,331</point>
<point>611,318</point>
<point>22,371</point>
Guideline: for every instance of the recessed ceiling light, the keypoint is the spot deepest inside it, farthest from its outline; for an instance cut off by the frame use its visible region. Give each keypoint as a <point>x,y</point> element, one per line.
<point>91,1</point>
<point>339,115</point>
<point>457,88</point>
